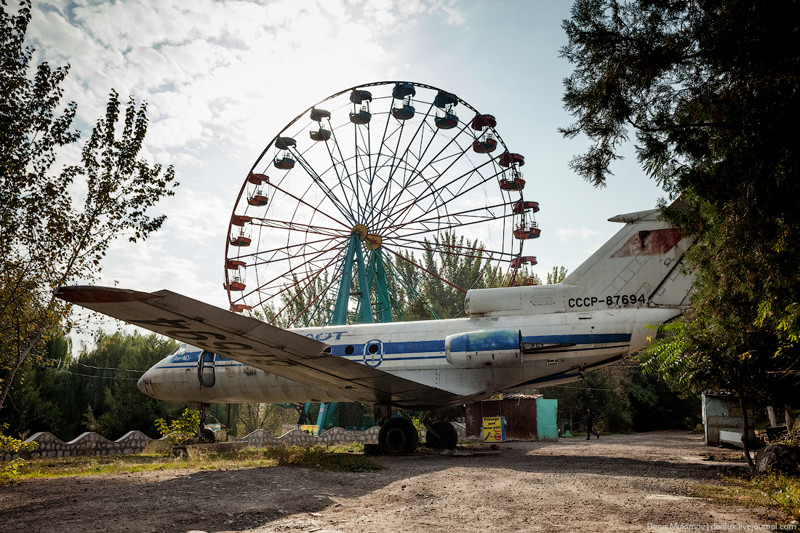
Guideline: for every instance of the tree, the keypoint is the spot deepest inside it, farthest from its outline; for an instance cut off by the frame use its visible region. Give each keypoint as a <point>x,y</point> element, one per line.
<point>557,275</point>
<point>46,239</point>
<point>466,270</point>
<point>123,407</point>
<point>94,392</point>
<point>710,89</point>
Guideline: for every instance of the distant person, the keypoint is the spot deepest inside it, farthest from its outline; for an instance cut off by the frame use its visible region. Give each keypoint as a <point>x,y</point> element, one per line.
<point>590,425</point>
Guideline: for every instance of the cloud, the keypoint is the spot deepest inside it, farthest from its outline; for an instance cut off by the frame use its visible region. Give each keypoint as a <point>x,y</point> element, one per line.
<point>568,234</point>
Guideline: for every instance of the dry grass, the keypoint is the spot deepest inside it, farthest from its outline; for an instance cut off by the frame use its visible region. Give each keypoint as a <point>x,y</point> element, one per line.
<point>340,459</point>
<point>777,491</point>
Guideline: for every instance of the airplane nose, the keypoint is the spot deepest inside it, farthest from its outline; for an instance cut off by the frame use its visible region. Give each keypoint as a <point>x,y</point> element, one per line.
<point>144,383</point>
<point>140,383</point>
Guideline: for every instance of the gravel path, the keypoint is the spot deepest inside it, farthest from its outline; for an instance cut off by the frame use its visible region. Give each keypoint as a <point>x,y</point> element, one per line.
<point>617,483</point>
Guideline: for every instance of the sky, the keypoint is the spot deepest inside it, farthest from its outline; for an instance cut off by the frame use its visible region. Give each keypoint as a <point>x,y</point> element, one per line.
<point>221,78</point>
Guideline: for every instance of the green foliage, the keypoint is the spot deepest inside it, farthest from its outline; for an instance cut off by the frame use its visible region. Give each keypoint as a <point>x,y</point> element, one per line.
<point>267,416</point>
<point>318,457</point>
<point>465,270</point>
<point>181,430</point>
<point>774,490</point>
<point>709,90</point>
<point>792,436</point>
<point>623,399</point>
<point>339,458</point>
<point>95,392</point>
<point>9,468</point>
<point>557,275</point>
<point>51,235</point>
<point>668,355</point>
<point>419,286</point>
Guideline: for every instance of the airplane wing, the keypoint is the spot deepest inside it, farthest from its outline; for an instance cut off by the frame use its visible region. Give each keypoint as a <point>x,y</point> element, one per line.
<point>256,343</point>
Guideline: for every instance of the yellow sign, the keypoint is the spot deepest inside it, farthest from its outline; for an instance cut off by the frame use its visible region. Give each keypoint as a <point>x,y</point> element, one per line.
<point>311,430</point>
<point>494,429</point>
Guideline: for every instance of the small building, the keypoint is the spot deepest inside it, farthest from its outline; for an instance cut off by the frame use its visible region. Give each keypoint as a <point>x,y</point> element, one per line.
<point>722,420</point>
<point>528,417</point>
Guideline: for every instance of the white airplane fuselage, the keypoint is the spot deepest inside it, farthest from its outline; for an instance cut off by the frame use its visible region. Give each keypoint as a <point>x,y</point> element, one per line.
<point>548,340</point>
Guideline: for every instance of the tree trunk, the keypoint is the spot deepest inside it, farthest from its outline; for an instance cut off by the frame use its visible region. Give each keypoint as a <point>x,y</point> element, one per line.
<point>17,365</point>
<point>745,432</point>
<point>773,420</point>
<point>788,415</point>
<point>32,341</point>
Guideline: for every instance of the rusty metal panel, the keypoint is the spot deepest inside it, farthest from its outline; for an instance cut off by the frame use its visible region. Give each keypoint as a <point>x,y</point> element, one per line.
<point>520,416</point>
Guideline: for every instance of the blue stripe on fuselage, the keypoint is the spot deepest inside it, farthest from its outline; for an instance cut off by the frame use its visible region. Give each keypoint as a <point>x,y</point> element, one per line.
<point>395,351</point>
<point>437,346</point>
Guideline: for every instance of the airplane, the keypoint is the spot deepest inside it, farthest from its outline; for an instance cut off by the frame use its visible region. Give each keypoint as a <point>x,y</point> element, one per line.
<point>512,338</point>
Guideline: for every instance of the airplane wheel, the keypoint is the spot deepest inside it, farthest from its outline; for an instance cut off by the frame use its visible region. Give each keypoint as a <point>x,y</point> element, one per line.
<point>398,435</point>
<point>447,438</point>
<point>207,435</point>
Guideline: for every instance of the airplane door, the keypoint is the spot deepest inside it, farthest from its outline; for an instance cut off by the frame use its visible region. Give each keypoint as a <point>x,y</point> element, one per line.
<point>205,369</point>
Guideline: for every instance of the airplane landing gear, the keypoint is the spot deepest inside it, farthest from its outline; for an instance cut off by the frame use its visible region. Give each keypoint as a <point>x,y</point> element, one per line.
<point>398,435</point>
<point>442,435</point>
<point>207,435</point>
<point>204,435</point>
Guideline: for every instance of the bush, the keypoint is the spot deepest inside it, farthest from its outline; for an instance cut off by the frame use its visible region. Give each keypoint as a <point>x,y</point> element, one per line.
<point>181,430</point>
<point>9,446</point>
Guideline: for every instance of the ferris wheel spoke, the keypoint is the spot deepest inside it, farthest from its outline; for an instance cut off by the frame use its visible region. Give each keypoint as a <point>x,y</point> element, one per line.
<point>381,144</point>
<point>342,162</point>
<point>433,194</point>
<point>298,282</point>
<point>397,133</point>
<point>364,178</point>
<point>290,225</point>
<point>408,152</point>
<point>393,166</point>
<point>291,253</point>
<point>456,249</point>
<point>313,302</point>
<point>304,203</point>
<point>467,219</point>
<point>291,248</point>
<point>432,216</point>
<point>300,290</point>
<point>432,273</point>
<point>289,275</point>
<point>342,208</point>
<point>437,200</point>
<point>408,173</point>
<point>418,173</point>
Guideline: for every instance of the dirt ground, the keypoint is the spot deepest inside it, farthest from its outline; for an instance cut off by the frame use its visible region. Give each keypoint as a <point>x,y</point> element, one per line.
<point>617,483</point>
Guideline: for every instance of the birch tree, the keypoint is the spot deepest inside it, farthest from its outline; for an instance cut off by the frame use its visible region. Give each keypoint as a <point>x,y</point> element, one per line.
<point>57,225</point>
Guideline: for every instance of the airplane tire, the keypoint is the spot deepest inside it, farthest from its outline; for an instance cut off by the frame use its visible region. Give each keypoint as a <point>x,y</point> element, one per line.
<point>447,438</point>
<point>398,435</point>
<point>207,435</point>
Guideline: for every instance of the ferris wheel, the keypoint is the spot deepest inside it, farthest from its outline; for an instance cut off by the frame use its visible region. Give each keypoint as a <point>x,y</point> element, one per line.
<point>339,213</point>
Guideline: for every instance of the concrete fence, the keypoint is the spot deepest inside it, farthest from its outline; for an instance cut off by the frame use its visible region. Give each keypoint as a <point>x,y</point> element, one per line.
<point>90,443</point>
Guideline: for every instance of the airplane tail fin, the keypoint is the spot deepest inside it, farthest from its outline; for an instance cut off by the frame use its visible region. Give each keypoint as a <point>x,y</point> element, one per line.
<point>644,260</point>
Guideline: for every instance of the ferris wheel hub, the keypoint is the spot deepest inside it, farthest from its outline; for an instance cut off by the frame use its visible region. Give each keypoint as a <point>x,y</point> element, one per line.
<point>373,239</point>
<point>360,230</point>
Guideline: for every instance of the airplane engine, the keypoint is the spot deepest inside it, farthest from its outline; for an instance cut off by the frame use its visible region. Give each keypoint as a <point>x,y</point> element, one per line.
<point>479,349</point>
